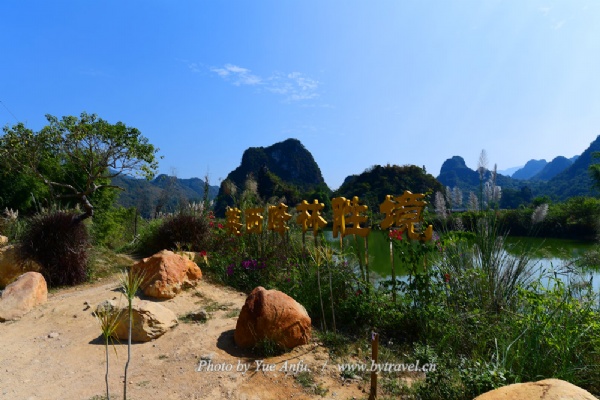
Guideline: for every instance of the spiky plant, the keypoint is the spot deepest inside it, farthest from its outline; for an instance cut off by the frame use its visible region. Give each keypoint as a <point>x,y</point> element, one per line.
<point>108,318</point>
<point>131,281</point>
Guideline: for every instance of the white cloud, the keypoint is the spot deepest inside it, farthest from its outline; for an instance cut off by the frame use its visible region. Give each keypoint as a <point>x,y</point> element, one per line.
<point>194,67</point>
<point>238,75</point>
<point>294,86</point>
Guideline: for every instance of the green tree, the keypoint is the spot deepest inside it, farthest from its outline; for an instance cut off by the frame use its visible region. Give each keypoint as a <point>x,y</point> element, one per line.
<point>76,157</point>
<point>594,169</point>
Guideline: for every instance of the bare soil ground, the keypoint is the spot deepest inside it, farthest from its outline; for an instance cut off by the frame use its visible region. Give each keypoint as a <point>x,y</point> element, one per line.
<point>55,352</point>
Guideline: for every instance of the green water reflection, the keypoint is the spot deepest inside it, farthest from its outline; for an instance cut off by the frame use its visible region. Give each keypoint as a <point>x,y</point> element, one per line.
<point>547,253</point>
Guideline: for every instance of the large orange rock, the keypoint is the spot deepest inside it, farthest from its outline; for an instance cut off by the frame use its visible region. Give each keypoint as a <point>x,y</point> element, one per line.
<point>548,389</point>
<point>167,274</point>
<point>28,291</point>
<point>273,315</point>
<point>11,266</point>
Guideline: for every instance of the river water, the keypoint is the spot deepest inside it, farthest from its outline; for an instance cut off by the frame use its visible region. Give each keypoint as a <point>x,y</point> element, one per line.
<point>552,257</point>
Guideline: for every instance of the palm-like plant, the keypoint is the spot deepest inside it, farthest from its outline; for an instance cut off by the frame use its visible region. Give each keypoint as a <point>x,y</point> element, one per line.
<point>108,318</point>
<point>131,281</point>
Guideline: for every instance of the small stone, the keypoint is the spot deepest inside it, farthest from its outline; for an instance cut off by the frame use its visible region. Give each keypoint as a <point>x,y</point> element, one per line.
<point>53,335</point>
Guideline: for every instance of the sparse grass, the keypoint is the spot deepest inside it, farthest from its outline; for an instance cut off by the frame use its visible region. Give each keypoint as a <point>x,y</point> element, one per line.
<point>337,344</point>
<point>212,306</point>
<point>104,262</point>
<point>268,348</point>
<point>234,312</point>
<point>307,381</point>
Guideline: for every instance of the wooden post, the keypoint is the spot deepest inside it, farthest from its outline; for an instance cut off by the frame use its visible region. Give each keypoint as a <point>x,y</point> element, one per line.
<point>135,222</point>
<point>368,278</point>
<point>393,270</point>
<point>374,357</point>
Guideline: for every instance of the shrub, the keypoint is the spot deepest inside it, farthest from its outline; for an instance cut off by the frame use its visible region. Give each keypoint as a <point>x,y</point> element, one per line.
<point>60,245</point>
<point>186,231</point>
<point>144,243</point>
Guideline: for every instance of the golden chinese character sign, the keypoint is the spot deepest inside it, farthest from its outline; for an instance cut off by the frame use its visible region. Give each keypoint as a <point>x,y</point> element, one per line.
<point>278,218</point>
<point>340,208</point>
<point>349,218</point>
<point>403,212</point>
<point>356,219</point>
<point>349,212</point>
<point>233,221</point>
<point>254,220</point>
<point>310,216</point>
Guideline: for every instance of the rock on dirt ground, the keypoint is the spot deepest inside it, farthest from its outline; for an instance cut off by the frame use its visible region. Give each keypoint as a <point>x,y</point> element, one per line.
<point>55,352</point>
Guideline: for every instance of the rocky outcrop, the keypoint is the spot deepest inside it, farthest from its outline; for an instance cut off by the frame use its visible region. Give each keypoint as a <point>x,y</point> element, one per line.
<point>548,389</point>
<point>167,274</point>
<point>150,321</point>
<point>28,291</point>
<point>272,315</point>
<point>286,165</point>
<point>11,266</point>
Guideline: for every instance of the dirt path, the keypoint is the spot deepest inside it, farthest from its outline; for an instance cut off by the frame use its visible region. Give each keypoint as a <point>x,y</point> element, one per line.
<point>53,352</point>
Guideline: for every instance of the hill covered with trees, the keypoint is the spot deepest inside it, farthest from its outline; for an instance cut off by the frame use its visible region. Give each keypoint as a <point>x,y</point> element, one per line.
<point>376,182</point>
<point>285,171</point>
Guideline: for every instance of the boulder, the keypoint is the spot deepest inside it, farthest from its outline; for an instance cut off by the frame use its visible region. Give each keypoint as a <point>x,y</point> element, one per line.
<point>11,267</point>
<point>548,389</point>
<point>28,291</point>
<point>150,321</point>
<point>272,315</point>
<point>3,240</point>
<point>167,274</point>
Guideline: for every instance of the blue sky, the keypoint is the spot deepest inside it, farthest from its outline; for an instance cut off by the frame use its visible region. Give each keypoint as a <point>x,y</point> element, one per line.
<point>357,82</point>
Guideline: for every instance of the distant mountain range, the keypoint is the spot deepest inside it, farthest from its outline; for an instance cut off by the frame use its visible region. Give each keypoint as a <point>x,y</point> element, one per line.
<point>541,169</point>
<point>163,194</point>
<point>287,171</point>
<point>559,179</point>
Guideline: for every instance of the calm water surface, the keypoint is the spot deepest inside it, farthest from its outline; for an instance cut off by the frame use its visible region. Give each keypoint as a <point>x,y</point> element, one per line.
<point>554,255</point>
